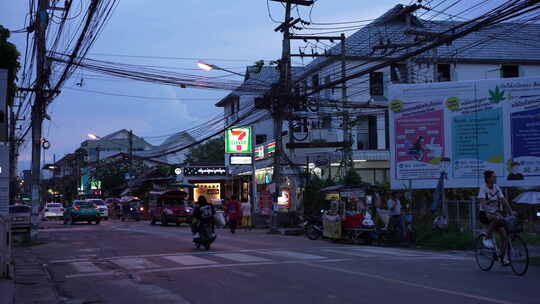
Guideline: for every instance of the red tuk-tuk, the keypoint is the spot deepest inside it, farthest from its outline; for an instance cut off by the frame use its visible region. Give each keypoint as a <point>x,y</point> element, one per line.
<point>169,207</point>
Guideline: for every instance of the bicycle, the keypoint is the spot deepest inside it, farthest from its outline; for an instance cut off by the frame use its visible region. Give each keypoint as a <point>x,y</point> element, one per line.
<point>517,254</point>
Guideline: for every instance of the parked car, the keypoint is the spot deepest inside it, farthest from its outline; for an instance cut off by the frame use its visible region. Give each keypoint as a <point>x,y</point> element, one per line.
<point>169,207</point>
<point>82,211</point>
<point>53,211</point>
<point>20,217</point>
<point>103,208</point>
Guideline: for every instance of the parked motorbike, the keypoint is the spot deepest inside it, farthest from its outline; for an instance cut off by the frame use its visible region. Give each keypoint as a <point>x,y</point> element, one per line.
<point>206,236</point>
<point>313,227</point>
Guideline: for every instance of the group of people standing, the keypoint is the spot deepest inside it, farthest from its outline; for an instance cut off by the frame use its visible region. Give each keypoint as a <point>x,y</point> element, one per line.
<point>236,214</point>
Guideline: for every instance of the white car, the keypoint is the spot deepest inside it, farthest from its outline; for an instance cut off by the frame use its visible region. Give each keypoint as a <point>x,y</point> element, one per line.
<point>53,211</point>
<point>102,207</point>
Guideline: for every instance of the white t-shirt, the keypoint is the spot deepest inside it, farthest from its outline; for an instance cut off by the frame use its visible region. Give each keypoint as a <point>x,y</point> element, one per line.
<point>246,209</point>
<point>492,197</point>
<point>394,207</point>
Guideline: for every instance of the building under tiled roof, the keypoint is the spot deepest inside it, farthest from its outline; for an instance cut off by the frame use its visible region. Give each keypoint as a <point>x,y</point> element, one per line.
<point>504,42</point>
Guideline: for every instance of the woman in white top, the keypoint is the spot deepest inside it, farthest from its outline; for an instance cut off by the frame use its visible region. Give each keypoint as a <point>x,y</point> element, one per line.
<point>246,215</point>
<point>491,212</point>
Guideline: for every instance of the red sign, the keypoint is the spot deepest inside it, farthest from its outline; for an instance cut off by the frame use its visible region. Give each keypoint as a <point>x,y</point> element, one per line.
<point>265,202</point>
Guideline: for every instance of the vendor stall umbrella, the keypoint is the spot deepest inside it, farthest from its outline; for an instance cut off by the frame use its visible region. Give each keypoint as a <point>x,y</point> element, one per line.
<point>530,198</point>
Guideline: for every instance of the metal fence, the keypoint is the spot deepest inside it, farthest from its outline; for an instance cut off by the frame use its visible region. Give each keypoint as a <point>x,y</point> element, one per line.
<point>462,214</point>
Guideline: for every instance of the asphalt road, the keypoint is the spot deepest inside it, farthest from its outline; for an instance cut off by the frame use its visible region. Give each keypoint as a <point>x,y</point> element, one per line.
<point>133,262</point>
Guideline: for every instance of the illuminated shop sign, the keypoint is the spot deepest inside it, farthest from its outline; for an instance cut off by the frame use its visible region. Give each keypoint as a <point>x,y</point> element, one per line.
<point>204,171</point>
<point>238,140</point>
<point>240,160</point>
<point>259,153</point>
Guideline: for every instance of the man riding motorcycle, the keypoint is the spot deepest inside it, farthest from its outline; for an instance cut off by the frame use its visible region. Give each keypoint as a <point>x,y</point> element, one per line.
<point>203,214</point>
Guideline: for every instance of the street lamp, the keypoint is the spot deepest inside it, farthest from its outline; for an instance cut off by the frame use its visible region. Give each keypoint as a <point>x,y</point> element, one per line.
<point>208,67</point>
<point>93,136</point>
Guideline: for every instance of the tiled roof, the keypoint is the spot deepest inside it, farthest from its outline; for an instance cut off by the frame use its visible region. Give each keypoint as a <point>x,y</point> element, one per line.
<point>262,81</point>
<point>502,42</point>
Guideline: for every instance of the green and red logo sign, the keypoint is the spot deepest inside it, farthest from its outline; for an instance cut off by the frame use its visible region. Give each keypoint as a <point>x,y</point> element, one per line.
<point>238,140</point>
<point>271,148</point>
<point>259,152</point>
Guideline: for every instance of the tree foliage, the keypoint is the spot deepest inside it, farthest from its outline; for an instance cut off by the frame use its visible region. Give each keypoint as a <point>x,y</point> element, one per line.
<point>210,151</point>
<point>9,59</point>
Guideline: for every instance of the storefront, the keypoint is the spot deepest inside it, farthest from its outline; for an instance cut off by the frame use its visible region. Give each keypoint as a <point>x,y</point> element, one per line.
<point>210,181</point>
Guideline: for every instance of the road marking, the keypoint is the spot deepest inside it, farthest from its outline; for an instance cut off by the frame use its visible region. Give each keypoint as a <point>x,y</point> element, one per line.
<point>358,254</point>
<point>389,252</point>
<point>374,276</point>
<point>86,267</point>
<point>169,269</point>
<point>294,255</point>
<point>134,264</point>
<point>189,260</point>
<point>239,257</point>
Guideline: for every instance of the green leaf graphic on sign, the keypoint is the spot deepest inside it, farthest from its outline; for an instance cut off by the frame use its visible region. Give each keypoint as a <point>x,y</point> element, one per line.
<point>496,95</point>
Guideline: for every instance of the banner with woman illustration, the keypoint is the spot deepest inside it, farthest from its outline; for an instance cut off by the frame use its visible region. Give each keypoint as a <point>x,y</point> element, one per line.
<point>477,125</point>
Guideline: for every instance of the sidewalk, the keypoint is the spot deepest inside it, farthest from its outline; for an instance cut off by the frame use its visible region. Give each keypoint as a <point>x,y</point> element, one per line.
<point>31,281</point>
<point>7,289</point>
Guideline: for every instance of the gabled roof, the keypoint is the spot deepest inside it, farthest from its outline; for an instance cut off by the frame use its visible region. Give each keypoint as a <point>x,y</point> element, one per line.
<point>497,43</point>
<point>264,78</point>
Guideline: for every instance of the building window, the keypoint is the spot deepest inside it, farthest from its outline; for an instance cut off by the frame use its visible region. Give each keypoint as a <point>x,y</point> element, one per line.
<point>328,91</point>
<point>372,132</point>
<point>509,71</point>
<point>315,81</point>
<point>327,122</point>
<point>376,87</point>
<point>398,73</point>
<point>260,139</point>
<point>443,72</point>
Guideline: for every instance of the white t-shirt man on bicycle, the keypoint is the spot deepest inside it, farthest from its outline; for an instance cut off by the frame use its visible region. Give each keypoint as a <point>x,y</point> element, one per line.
<point>491,212</point>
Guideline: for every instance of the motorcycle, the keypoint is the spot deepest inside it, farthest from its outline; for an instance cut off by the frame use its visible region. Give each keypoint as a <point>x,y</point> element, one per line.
<point>206,236</point>
<point>313,227</point>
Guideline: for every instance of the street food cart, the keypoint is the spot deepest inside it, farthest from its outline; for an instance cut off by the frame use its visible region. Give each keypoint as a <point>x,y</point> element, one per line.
<point>348,218</point>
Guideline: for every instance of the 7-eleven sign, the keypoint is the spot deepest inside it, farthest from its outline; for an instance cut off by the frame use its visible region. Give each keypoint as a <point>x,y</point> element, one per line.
<point>238,140</point>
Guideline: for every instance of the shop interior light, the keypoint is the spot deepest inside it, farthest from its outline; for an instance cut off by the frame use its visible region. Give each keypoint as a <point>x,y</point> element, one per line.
<point>360,160</point>
<point>335,164</point>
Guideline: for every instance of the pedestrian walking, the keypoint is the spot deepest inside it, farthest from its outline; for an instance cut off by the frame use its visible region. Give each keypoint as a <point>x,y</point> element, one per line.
<point>396,220</point>
<point>233,212</point>
<point>246,215</point>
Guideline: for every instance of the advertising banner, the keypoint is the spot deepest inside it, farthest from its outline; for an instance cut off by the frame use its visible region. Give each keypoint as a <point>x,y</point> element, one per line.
<point>238,140</point>
<point>477,125</point>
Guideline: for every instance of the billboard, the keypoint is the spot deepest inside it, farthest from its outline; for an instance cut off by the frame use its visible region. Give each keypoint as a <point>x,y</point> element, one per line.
<point>238,140</point>
<point>479,125</point>
<point>3,105</point>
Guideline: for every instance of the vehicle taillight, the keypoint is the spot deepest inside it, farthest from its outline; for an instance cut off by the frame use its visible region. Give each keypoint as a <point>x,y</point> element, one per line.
<point>77,208</point>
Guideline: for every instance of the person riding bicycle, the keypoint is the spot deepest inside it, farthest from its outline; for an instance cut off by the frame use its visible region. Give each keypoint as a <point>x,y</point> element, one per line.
<point>491,212</point>
<point>203,213</point>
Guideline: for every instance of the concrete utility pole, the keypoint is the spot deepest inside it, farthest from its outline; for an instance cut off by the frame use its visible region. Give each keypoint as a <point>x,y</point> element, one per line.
<point>38,110</point>
<point>12,154</point>
<point>282,101</point>
<point>347,157</point>
<point>130,153</point>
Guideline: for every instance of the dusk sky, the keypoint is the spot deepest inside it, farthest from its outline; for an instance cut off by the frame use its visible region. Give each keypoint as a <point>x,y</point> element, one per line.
<point>231,34</point>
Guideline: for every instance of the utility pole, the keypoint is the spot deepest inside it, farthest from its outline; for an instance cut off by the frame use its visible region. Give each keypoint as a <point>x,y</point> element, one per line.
<point>284,96</point>
<point>12,155</point>
<point>347,157</point>
<point>38,110</point>
<point>130,153</point>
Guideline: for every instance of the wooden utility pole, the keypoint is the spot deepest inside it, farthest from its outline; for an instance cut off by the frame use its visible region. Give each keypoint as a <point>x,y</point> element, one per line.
<point>38,110</point>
